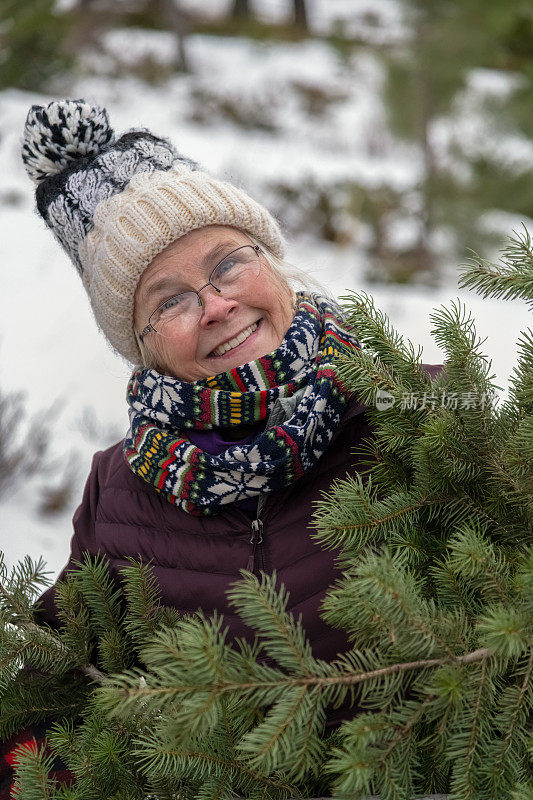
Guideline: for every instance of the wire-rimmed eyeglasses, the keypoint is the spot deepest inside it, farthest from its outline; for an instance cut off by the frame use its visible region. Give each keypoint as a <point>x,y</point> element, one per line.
<point>229,277</point>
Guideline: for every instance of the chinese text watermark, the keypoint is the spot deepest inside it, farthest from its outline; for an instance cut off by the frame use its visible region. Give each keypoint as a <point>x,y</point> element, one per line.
<point>454,401</point>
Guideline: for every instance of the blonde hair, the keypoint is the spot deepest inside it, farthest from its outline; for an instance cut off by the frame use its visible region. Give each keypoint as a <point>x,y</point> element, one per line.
<point>148,361</point>
<point>294,277</point>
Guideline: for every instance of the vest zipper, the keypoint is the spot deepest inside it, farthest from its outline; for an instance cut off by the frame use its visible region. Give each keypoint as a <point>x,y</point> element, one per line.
<point>256,541</point>
<point>283,408</point>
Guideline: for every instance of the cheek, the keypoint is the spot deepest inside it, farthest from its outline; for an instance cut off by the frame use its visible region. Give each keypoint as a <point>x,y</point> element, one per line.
<point>282,306</point>
<point>172,357</point>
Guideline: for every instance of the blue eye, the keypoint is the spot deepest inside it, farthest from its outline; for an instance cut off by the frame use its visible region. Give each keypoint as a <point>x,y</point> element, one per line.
<point>226,265</point>
<point>181,303</point>
<point>170,303</point>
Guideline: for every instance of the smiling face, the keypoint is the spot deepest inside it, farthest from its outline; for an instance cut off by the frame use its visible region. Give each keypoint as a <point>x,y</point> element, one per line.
<point>233,328</point>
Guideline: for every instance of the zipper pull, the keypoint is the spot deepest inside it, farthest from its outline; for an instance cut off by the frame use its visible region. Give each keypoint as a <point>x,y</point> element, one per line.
<point>250,564</point>
<point>257,538</point>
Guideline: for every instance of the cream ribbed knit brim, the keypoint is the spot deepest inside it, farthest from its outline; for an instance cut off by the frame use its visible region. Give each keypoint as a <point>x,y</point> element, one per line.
<point>132,227</point>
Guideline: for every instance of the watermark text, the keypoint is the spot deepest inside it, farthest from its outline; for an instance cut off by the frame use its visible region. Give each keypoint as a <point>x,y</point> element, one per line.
<point>454,401</point>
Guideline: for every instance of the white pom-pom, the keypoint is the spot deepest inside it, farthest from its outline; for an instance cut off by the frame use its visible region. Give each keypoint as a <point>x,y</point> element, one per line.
<point>59,133</point>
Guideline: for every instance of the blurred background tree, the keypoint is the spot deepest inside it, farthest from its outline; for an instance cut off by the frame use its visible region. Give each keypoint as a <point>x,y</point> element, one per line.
<point>32,37</point>
<point>449,40</point>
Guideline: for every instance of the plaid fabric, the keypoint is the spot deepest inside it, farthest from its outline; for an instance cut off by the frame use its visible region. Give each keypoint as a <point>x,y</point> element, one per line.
<point>35,738</point>
<point>162,409</point>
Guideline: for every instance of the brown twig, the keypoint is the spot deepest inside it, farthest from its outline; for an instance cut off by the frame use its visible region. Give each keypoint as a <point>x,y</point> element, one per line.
<point>359,677</point>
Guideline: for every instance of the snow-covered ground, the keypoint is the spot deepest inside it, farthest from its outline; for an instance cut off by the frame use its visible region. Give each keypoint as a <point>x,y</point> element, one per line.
<point>49,345</point>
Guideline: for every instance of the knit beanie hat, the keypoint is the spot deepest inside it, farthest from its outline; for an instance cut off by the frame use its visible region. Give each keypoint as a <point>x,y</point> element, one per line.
<point>114,204</point>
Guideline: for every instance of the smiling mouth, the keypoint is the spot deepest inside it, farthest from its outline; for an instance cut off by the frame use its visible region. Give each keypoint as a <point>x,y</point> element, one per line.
<point>231,344</point>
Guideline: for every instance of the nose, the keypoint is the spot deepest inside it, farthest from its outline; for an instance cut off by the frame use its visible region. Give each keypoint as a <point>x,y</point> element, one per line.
<point>215,307</point>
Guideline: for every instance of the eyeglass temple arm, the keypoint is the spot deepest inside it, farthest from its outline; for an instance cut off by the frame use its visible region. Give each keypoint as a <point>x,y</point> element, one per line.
<point>144,331</point>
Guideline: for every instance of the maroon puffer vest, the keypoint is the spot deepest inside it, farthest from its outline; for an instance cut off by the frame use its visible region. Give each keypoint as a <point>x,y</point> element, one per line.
<point>195,559</point>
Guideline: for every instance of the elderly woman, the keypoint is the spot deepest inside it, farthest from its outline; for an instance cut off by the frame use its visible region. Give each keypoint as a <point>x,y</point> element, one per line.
<point>237,419</point>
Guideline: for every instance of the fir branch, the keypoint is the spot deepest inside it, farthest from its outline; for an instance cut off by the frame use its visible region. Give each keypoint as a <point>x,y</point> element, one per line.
<point>507,631</point>
<point>511,279</point>
<point>401,733</point>
<point>395,592</point>
<point>364,376</point>
<point>189,762</point>
<point>346,608</point>
<point>27,578</point>
<point>99,755</point>
<point>491,281</point>
<point>74,618</point>
<point>101,595</point>
<point>288,738</point>
<point>24,623</point>
<point>523,792</point>
<point>61,650</point>
<point>455,332</point>
<point>443,726</point>
<point>462,781</point>
<point>521,380</point>
<point>263,606</point>
<point>39,636</point>
<point>287,682</point>
<point>142,593</point>
<point>523,581</point>
<point>350,515</point>
<point>114,652</point>
<point>475,718</point>
<point>33,768</point>
<point>93,673</point>
<point>377,335</point>
<point>473,557</point>
<point>514,712</point>
<point>480,514</point>
<point>451,590</point>
<point>14,719</point>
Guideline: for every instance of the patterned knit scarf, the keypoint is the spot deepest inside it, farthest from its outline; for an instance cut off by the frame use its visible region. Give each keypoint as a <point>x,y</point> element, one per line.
<point>162,408</point>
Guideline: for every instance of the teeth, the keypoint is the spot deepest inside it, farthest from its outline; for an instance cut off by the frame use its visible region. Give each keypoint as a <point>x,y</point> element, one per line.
<point>239,339</point>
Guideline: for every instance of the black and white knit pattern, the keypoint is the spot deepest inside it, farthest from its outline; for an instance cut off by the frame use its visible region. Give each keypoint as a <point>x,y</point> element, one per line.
<point>70,151</point>
<point>56,134</point>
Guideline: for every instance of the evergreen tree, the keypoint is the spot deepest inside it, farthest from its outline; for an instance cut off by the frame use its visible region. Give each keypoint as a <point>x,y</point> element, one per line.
<point>436,595</point>
<point>448,42</point>
<point>32,42</point>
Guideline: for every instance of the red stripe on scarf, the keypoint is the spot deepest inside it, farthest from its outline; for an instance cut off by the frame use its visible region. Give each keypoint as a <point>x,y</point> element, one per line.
<point>237,380</point>
<point>331,375</point>
<point>205,406</point>
<point>269,372</point>
<point>298,470</point>
<point>170,460</point>
<point>343,341</point>
<point>188,478</point>
<point>138,436</point>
